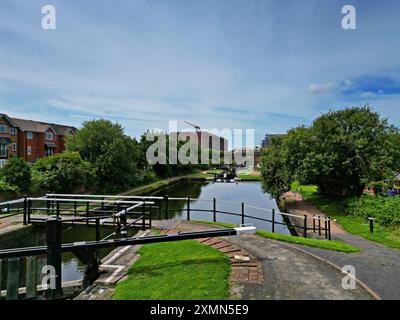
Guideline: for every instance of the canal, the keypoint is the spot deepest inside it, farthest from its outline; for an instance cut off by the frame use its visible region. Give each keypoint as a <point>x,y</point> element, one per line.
<point>229,196</point>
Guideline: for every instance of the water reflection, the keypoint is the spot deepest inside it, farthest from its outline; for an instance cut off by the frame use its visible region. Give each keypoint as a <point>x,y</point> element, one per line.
<point>250,193</point>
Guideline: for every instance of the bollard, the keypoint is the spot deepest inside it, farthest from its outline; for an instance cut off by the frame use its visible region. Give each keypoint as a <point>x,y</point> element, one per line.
<point>326,228</point>
<point>371,224</point>
<point>273,220</point>
<point>305,226</point>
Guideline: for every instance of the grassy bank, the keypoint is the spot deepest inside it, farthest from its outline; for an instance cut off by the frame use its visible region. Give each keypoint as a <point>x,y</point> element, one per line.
<point>317,243</point>
<point>335,208</point>
<point>182,270</point>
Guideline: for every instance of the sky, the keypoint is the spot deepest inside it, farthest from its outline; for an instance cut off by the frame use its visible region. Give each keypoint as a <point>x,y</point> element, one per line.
<point>221,64</point>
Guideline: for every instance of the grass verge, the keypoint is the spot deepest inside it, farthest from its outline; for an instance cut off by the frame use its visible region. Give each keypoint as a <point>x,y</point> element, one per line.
<point>182,270</point>
<point>335,245</point>
<point>334,207</point>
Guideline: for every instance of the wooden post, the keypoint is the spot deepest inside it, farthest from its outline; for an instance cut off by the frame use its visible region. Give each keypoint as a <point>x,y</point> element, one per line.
<point>214,210</point>
<point>150,218</point>
<point>144,215</point>
<point>326,228</point>
<point>53,239</point>
<point>242,212</point>
<point>159,209</point>
<point>273,220</point>
<point>13,274</point>
<point>329,228</point>
<point>31,279</point>
<point>188,208</point>
<point>25,212</point>
<point>75,206</point>
<point>305,226</point>
<point>29,210</point>
<point>97,229</point>
<point>57,209</point>
<point>87,212</point>
<point>319,225</point>
<point>166,206</point>
<point>313,222</point>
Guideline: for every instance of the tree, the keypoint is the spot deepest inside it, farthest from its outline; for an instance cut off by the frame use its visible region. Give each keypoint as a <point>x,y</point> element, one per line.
<point>113,155</point>
<point>63,172</point>
<point>340,152</point>
<point>16,172</point>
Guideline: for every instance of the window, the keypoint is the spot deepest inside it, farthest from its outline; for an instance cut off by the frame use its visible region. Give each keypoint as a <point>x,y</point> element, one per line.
<point>13,130</point>
<point>29,150</point>
<point>14,147</point>
<point>49,151</point>
<point>2,163</point>
<point>3,150</point>
<point>49,135</point>
<point>29,135</point>
<point>3,129</point>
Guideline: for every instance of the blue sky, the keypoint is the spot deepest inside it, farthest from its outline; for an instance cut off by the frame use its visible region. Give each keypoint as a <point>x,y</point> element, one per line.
<point>267,65</point>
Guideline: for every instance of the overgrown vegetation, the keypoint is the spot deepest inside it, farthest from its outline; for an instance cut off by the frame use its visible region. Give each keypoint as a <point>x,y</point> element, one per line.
<point>182,270</point>
<point>351,214</point>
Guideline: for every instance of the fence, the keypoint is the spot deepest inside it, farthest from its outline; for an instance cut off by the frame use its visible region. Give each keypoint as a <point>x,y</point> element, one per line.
<point>122,212</point>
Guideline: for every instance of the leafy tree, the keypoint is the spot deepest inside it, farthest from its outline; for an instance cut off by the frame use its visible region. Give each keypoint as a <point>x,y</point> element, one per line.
<point>62,172</point>
<point>340,152</point>
<point>16,172</point>
<point>113,154</point>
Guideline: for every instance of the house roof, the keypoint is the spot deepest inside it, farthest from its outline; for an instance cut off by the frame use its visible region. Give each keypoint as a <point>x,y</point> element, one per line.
<point>38,126</point>
<point>30,125</point>
<point>8,120</point>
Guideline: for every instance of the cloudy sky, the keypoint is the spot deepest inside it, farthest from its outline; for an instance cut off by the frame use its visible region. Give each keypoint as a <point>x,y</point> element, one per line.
<point>267,65</point>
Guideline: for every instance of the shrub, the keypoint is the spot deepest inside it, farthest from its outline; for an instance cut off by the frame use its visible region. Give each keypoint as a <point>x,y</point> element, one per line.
<point>17,172</point>
<point>63,172</point>
<point>385,210</point>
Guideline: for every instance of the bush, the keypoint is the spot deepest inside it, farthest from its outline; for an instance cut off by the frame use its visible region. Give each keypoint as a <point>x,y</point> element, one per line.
<point>63,172</point>
<point>17,172</point>
<point>385,210</point>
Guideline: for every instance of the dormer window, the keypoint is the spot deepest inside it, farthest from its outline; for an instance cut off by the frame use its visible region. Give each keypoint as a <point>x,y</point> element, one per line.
<point>49,135</point>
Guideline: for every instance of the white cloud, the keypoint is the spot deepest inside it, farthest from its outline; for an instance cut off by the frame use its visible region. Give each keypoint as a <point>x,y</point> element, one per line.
<point>367,94</point>
<point>318,88</point>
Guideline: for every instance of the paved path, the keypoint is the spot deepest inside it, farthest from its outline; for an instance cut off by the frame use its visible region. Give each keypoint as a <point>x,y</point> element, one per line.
<point>377,266</point>
<point>287,272</point>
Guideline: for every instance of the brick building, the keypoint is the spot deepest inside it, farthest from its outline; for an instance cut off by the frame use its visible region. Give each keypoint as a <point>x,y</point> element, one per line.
<point>29,139</point>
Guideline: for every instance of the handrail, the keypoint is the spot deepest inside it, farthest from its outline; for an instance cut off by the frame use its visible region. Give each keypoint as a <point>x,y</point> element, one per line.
<point>100,196</point>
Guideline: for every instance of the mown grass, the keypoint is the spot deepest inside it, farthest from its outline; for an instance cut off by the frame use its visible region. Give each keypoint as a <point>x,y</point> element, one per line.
<point>335,208</point>
<point>182,270</point>
<point>335,245</point>
<point>250,177</point>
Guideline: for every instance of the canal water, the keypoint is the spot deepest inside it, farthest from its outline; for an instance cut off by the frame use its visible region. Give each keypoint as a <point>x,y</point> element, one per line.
<point>229,196</point>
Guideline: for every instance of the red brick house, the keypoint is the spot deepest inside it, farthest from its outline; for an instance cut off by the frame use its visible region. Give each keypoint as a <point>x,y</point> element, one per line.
<point>31,140</point>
